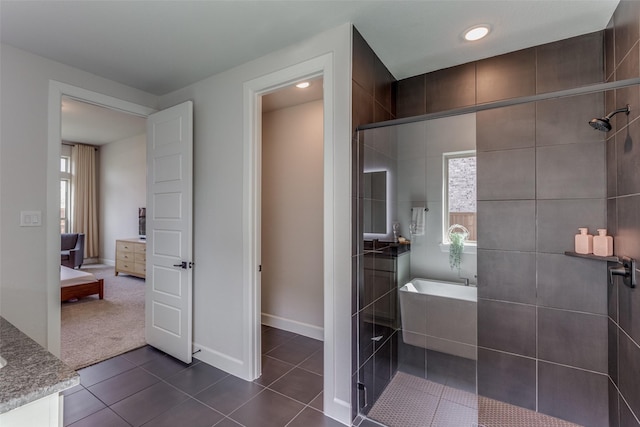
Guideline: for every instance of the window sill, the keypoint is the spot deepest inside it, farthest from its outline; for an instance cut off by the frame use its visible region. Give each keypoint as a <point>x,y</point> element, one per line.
<point>469,248</point>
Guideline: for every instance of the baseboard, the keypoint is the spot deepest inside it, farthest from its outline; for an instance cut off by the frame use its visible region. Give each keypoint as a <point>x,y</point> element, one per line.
<point>294,326</point>
<point>339,410</point>
<point>109,262</point>
<point>219,360</point>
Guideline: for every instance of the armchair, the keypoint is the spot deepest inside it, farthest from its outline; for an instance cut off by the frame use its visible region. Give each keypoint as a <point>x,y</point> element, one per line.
<point>72,249</point>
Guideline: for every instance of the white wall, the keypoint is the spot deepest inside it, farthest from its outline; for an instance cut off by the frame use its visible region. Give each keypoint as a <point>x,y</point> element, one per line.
<point>292,220</point>
<point>123,189</point>
<point>420,149</point>
<point>221,316</point>
<point>25,275</point>
<point>220,313</point>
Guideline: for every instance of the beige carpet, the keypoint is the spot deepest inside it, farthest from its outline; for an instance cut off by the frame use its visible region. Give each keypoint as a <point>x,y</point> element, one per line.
<point>94,330</point>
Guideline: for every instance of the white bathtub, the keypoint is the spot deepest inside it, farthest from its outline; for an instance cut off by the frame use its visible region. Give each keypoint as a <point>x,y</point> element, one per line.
<point>440,316</point>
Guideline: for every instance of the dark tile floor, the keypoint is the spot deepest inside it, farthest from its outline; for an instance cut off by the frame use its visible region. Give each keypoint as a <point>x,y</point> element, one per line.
<point>147,387</point>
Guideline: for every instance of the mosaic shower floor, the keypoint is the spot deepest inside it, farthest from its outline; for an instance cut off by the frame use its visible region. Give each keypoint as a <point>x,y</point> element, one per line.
<point>409,401</point>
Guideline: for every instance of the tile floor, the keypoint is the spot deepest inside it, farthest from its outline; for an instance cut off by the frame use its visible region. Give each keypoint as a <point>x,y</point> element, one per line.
<point>147,387</point>
<point>410,401</point>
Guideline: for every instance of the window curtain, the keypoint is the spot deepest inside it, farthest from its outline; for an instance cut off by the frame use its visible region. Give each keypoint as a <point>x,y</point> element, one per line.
<point>84,207</point>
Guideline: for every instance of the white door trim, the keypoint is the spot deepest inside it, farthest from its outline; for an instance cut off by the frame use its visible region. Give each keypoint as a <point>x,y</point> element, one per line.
<point>253,89</point>
<point>56,91</point>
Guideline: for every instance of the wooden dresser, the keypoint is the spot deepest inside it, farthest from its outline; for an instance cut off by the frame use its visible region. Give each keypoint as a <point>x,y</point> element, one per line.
<point>131,257</point>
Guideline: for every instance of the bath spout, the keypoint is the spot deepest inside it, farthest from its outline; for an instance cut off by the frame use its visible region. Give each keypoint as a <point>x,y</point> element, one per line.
<point>467,281</point>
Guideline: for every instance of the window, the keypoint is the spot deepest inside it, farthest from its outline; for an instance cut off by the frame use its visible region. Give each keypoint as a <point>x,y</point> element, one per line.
<point>65,193</point>
<point>460,193</point>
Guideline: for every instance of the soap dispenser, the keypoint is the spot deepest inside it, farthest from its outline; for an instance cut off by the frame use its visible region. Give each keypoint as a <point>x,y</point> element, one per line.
<point>584,242</point>
<point>602,244</point>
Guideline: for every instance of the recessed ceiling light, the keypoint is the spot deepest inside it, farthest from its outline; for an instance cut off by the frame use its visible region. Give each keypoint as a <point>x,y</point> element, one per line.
<point>303,85</point>
<point>476,33</point>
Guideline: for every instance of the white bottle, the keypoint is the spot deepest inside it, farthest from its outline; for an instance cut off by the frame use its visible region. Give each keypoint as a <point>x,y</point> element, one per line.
<point>584,242</point>
<point>602,244</point>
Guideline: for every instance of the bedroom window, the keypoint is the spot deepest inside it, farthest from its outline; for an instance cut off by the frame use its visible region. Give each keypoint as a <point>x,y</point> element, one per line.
<point>460,192</point>
<point>65,193</point>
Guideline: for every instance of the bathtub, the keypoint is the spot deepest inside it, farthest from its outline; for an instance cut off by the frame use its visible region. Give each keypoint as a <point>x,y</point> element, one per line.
<point>440,316</point>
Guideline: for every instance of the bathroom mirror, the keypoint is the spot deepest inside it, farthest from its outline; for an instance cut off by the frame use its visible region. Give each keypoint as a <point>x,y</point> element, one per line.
<point>375,202</point>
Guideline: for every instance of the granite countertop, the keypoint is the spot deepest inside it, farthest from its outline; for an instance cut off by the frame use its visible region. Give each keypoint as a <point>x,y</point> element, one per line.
<point>390,249</point>
<point>31,372</point>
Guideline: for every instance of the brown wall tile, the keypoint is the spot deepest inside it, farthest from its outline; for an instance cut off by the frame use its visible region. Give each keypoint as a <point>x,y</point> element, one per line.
<point>629,68</point>
<point>506,76</point>
<point>627,27</point>
<point>570,63</point>
<point>362,105</point>
<point>506,127</point>
<point>628,160</point>
<point>380,114</point>
<point>383,86</point>
<point>411,97</point>
<point>363,63</point>
<point>609,50</point>
<point>573,394</point>
<point>506,377</point>
<point>451,88</point>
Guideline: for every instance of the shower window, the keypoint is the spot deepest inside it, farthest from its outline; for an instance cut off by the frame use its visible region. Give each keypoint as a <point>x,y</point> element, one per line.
<point>460,193</point>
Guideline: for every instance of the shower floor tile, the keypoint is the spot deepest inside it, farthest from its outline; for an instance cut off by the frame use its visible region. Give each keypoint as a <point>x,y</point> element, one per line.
<point>410,401</point>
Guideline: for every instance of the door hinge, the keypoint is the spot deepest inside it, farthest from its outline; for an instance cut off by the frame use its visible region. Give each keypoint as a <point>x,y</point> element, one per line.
<point>260,268</point>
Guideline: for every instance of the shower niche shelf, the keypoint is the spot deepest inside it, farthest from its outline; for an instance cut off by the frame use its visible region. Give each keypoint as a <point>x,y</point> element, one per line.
<point>594,257</point>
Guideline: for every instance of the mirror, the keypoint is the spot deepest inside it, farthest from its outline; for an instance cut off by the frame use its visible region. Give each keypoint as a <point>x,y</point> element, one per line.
<point>375,202</point>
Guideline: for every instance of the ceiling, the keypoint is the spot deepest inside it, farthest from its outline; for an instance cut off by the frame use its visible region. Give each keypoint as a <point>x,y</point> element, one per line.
<point>290,96</point>
<point>96,125</point>
<point>162,46</point>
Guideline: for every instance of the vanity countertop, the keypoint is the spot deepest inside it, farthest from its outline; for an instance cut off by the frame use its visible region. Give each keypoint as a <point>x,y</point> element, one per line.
<point>390,249</point>
<point>31,372</point>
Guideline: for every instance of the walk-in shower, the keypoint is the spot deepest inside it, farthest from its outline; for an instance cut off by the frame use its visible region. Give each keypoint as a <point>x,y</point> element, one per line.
<point>541,331</point>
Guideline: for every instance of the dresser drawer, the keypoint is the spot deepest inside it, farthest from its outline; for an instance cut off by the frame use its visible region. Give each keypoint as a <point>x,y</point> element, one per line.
<point>140,248</point>
<point>122,246</point>
<point>125,256</point>
<point>140,257</point>
<point>125,265</point>
<point>140,268</point>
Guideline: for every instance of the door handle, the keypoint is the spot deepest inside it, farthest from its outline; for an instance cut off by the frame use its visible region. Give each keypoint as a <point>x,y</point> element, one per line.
<point>184,265</point>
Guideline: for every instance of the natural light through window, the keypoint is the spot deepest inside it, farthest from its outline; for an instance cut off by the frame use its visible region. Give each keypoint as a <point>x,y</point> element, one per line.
<point>460,193</point>
<point>65,181</point>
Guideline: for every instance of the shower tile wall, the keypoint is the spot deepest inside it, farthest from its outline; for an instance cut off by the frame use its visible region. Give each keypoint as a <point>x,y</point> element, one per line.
<point>374,290</point>
<point>622,52</point>
<point>542,316</point>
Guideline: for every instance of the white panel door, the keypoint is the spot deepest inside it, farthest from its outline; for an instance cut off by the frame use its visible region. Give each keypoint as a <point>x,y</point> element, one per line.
<point>168,304</point>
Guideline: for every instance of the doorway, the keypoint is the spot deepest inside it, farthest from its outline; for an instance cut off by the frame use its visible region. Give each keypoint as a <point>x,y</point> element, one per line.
<point>109,146</point>
<point>291,217</point>
<point>57,91</point>
<point>292,209</point>
<point>336,237</point>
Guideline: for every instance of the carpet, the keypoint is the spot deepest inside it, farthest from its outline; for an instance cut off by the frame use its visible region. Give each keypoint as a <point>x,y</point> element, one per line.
<point>93,330</point>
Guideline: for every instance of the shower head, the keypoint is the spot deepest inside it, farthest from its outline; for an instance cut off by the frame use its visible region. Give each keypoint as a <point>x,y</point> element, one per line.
<point>603,124</point>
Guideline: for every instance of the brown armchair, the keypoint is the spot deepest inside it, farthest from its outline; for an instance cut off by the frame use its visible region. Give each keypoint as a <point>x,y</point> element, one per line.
<point>72,249</point>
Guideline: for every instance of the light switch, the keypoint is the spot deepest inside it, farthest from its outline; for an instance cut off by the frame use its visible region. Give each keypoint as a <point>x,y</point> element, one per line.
<point>30,218</point>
